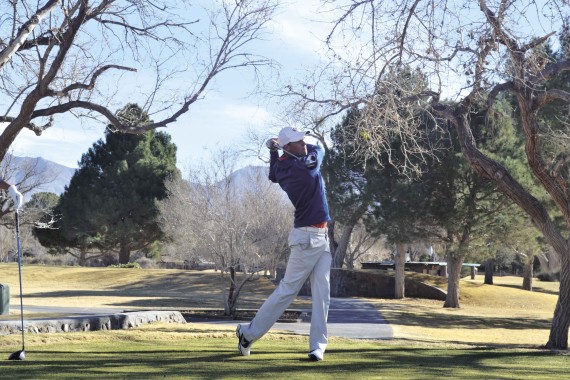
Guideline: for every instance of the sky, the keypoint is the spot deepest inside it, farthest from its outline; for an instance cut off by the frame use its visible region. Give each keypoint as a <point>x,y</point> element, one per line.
<point>227,112</point>
<point>219,120</point>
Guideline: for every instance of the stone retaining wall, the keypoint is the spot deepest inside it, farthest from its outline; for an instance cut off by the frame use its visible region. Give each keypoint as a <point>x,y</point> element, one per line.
<point>91,323</point>
<point>373,284</point>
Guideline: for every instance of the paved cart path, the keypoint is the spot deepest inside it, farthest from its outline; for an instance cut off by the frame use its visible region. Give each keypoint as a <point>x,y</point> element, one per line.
<point>348,318</point>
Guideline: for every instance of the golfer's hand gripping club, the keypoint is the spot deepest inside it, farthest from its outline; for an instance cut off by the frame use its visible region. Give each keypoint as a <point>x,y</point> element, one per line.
<point>16,196</point>
<point>272,144</point>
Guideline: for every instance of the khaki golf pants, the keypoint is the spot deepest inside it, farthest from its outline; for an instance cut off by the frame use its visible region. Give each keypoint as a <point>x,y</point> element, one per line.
<point>310,258</point>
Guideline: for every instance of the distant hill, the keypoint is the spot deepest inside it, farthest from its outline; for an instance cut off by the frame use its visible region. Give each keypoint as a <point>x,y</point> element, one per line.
<point>247,177</point>
<point>242,178</point>
<point>36,174</point>
<point>41,175</point>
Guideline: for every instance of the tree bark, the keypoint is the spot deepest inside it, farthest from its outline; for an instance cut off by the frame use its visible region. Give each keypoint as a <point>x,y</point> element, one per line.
<point>230,304</point>
<point>124,253</point>
<point>528,274</point>
<point>25,30</point>
<point>454,264</point>
<point>489,267</point>
<point>231,301</point>
<point>494,171</point>
<point>400,276</point>
<point>82,259</point>
<point>558,338</point>
<point>348,227</point>
<point>340,252</point>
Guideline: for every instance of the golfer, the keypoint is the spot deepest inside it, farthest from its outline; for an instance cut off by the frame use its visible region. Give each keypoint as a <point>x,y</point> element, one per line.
<point>298,173</point>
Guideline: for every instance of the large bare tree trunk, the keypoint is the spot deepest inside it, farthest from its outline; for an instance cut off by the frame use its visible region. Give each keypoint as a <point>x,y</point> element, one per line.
<point>82,257</point>
<point>124,253</point>
<point>558,338</point>
<point>491,169</point>
<point>454,264</point>
<point>400,276</point>
<point>489,267</point>
<point>528,274</point>
<point>340,252</point>
<point>348,227</point>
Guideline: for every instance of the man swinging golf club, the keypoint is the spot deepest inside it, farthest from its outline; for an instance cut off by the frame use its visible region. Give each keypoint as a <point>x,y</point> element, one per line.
<point>298,173</point>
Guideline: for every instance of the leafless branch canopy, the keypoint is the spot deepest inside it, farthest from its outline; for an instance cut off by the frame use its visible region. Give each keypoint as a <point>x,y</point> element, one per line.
<point>80,56</point>
<point>466,51</point>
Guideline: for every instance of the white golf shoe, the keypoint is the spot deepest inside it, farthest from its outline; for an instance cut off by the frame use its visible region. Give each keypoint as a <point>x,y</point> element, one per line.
<point>316,355</point>
<point>244,345</point>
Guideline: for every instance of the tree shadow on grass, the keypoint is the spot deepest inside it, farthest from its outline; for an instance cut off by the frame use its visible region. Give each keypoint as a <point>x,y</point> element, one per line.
<point>535,289</point>
<point>425,317</point>
<point>457,363</point>
<point>279,362</point>
<point>157,300</point>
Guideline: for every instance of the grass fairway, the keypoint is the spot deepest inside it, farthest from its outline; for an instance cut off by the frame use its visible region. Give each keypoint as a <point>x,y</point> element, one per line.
<point>496,334</point>
<point>208,352</point>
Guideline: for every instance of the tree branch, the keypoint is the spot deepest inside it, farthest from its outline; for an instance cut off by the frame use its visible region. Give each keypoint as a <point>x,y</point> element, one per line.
<point>25,31</point>
<point>91,84</point>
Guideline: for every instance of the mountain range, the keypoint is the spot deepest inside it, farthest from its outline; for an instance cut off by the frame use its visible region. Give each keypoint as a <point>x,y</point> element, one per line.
<point>36,174</point>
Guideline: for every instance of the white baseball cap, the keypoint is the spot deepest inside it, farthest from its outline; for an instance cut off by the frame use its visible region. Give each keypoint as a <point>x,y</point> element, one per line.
<point>290,134</point>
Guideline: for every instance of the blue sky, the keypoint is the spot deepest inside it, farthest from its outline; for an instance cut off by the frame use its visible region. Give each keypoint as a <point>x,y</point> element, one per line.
<point>221,118</point>
<point>224,116</point>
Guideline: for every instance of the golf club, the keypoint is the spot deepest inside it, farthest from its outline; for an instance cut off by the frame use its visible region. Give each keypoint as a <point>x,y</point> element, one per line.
<point>310,161</point>
<point>276,144</point>
<point>21,354</point>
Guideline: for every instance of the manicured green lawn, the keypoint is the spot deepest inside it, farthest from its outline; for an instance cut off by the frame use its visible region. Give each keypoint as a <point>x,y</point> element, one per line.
<point>496,334</point>
<point>174,352</point>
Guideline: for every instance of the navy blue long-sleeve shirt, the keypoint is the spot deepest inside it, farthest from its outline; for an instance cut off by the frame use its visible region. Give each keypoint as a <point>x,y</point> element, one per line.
<point>301,179</point>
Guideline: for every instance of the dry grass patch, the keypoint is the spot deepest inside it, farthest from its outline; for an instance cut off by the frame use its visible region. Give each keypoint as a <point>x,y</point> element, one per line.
<point>490,315</point>
<point>127,289</point>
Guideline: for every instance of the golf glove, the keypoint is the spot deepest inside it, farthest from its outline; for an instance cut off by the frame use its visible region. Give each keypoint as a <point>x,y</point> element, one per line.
<point>271,144</point>
<point>16,196</point>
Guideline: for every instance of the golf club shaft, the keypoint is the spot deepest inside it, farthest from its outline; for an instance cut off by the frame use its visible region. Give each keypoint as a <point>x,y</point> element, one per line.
<point>286,151</point>
<point>20,274</point>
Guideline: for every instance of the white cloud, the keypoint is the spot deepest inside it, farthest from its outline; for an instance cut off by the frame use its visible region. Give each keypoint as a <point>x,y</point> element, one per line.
<point>63,145</point>
<point>247,114</point>
<point>296,25</point>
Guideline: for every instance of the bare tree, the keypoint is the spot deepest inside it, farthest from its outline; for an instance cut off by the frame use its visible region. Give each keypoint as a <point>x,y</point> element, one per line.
<point>72,57</point>
<point>361,243</point>
<point>475,52</point>
<point>241,223</point>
